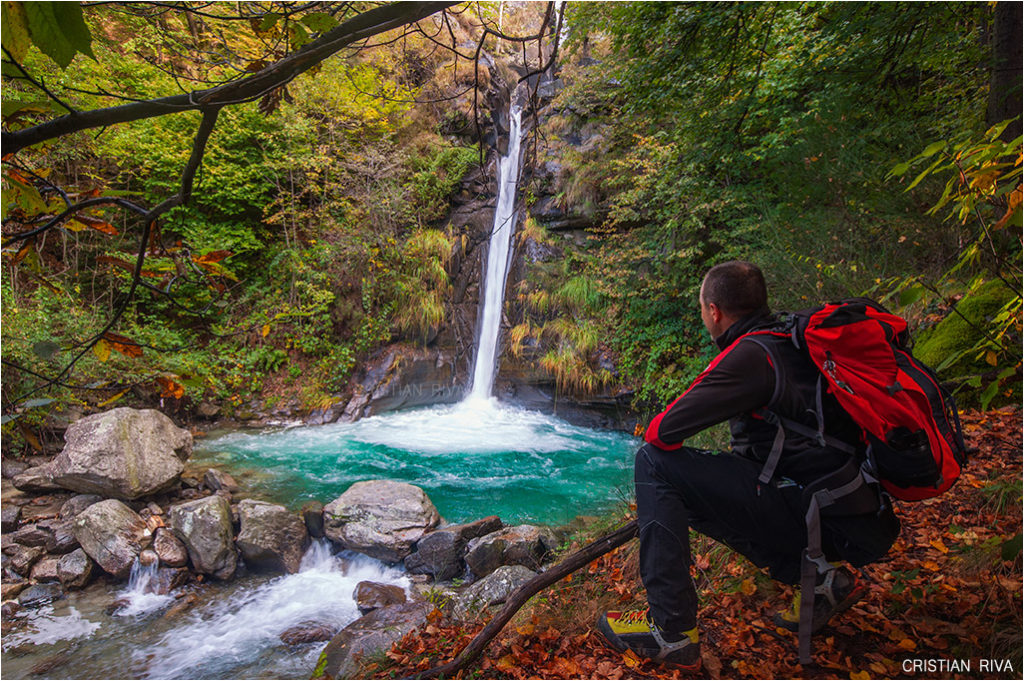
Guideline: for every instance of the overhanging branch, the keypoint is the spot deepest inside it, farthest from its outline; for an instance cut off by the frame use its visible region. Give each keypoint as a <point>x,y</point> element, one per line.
<point>365,25</point>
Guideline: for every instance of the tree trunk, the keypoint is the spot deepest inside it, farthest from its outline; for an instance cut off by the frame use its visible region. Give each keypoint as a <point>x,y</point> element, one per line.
<point>1004,94</point>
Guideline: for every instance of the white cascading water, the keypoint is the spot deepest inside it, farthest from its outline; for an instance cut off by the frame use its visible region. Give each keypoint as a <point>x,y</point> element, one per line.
<point>497,263</point>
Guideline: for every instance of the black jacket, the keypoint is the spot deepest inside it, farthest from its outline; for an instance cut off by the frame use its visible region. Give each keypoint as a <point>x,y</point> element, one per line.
<point>761,372</point>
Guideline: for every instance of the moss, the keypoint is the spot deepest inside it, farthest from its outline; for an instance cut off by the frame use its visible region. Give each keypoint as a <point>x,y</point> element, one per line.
<point>954,334</point>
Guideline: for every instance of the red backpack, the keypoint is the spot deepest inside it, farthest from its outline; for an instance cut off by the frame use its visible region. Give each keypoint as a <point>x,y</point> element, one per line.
<point>908,420</point>
<point>912,439</point>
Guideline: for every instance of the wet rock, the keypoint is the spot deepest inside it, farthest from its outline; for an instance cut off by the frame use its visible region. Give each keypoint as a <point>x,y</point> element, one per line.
<point>148,557</point>
<point>204,526</point>
<point>22,558</point>
<point>169,549</point>
<point>36,480</point>
<point>184,603</point>
<point>493,589</point>
<point>219,480</point>
<point>308,632</point>
<point>520,545</point>
<point>271,537</point>
<point>78,503</point>
<point>62,537</point>
<point>111,534</point>
<point>75,569</point>
<point>370,596</point>
<point>9,590</point>
<point>312,513</point>
<point>168,579</point>
<point>440,552</point>
<point>154,508</point>
<point>380,518</point>
<point>45,570</point>
<point>123,453</point>
<point>51,663</point>
<point>10,608</point>
<point>9,516</point>
<point>33,535</point>
<point>37,594</point>
<point>367,635</point>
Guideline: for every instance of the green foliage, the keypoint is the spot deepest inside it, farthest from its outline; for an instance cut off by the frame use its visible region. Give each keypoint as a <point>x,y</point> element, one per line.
<point>57,28</point>
<point>435,176</point>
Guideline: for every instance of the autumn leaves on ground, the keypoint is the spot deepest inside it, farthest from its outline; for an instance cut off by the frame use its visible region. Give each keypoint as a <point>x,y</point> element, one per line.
<point>949,592</point>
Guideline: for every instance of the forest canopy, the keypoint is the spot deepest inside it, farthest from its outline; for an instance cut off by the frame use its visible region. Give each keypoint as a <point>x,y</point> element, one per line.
<point>216,202</point>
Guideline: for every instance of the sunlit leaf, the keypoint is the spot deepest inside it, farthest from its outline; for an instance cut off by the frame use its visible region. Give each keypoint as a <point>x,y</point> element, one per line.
<point>126,346</point>
<point>16,39</point>
<point>101,350</point>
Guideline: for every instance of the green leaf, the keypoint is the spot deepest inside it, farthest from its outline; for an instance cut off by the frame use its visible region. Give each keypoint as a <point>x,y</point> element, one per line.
<point>16,39</point>
<point>1012,547</point>
<point>924,174</point>
<point>38,402</point>
<point>299,35</point>
<point>932,149</point>
<point>911,295</point>
<point>989,394</point>
<point>45,349</point>
<point>58,30</point>
<point>8,418</point>
<point>319,22</point>
<point>268,21</point>
<point>899,169</point>
<point>69,16</point>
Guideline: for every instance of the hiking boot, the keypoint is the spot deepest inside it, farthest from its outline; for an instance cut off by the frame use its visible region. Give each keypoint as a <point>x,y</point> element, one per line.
<point>836,590</point>
<point>634,630</point>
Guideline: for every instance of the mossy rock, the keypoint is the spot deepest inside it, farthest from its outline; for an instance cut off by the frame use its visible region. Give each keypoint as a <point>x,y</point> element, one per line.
<point>954,335</point>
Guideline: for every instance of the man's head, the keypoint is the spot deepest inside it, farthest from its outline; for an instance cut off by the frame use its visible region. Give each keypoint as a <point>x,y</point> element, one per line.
<point>730,292</point>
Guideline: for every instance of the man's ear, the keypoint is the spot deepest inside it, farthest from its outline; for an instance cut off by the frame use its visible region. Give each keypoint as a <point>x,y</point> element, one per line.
<point>716,312</point>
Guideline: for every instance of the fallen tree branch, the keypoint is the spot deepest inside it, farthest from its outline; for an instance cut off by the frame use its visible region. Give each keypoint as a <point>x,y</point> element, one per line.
<point>516,601</point>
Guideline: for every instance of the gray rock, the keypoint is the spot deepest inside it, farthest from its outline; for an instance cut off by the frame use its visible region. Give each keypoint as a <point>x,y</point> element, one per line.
<point>45,570</point>
<point>520,545</point>
<point>204,526</point>
<point>367,635</point>
<point>380,518</point>
<point>33,535</point>
<point>370,596</point>
<point>123,453</point>
<point>62,538</point>
<point>312,513</point>
<point>440,552</point>
<point>169,549</point>
<point>37,594</point>
<point>218,480</point>
<point>75,569</point>
<point>208,410</point>
<point>9,468</point>
<point>36,480</point>
<point>271,537</point>
<point>9,516</point>
<point>493,589</point>
<point>77,504</point>
<point>22,558</point>
<point>111,534</point>
<point>308,632</point>
<point>167,579</point>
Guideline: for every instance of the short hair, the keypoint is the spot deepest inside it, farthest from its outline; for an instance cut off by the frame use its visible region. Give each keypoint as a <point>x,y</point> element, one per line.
<point>737,287</point>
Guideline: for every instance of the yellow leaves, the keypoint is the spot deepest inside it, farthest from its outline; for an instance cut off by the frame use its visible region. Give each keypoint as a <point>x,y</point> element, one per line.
<point>747,587</point>
<point>505,663</point>
<point>630,659</point>
<point>992,358</point>
<point>115,398</point>
<point>80,222</point>
<point>265,330</point>
<point>907,644</point>
<point>101,350</point>
<point>860,675</point>
<point>937,544</point>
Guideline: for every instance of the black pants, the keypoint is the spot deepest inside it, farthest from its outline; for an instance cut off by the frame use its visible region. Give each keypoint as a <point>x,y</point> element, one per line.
<point>718,494</point>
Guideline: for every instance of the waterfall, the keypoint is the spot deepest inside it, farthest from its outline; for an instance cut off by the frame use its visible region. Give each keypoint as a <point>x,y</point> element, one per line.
<point>493,292</point>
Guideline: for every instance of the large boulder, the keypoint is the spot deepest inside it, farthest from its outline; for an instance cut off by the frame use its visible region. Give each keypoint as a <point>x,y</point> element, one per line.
<point>493,589</point>
<point>122,453</point>
<point>380,518</point>
<point>111,534</point>
<point>369,634</point>
<point>271,537</point>
<point>520,545</point>
<point>440,552</point>
<point>204,526</point>
<point>370,596</point>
